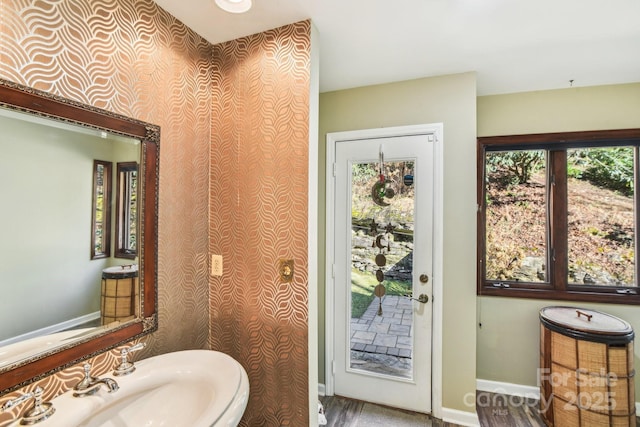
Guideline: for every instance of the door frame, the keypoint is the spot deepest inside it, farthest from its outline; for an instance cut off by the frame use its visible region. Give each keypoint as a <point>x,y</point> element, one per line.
<point>435,129</point>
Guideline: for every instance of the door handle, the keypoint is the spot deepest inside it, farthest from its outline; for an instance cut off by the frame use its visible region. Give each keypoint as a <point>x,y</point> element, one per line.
<point>422,298</point>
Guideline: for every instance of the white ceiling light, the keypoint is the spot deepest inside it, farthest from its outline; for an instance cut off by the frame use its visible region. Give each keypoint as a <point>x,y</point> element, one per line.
<point>234,6</point>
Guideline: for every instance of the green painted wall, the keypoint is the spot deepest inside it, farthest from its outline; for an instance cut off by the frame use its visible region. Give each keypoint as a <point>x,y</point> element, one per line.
<point>46,177</point>
<point>507,344</point>
<point>450,100</point>
<point>508,340</point>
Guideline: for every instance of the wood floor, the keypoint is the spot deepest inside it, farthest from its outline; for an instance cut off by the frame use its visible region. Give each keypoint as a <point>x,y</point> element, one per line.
<point>512,411</point>
<point>505,410</point>
<point>343,412</point>
<point>494,410</point>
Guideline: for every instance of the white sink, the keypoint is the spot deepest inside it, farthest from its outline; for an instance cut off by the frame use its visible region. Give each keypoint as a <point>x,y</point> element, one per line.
<point>187,388</point>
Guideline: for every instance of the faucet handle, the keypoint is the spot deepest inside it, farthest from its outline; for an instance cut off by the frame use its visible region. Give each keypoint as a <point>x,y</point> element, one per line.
<point>40,411</point>
<point>125,367</point>
<point>10,404</point>
<point>87,371</point>
<point>85,383</point>
<point>133,348</point>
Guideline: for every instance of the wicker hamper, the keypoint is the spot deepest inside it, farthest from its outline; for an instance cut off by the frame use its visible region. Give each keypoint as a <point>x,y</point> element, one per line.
<point>587,372</point>
<point>119,294</point>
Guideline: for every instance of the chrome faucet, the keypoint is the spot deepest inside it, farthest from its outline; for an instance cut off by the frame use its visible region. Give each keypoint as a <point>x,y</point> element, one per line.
<point>125,367</point>
<point>90,385</point>
<point>40,411</point>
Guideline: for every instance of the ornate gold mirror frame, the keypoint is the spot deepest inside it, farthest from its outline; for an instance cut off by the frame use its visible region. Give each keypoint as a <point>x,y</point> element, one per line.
<point>28,100</point>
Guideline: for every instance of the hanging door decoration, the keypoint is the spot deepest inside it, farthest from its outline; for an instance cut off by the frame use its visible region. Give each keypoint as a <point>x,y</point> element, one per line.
<point>382,189</point>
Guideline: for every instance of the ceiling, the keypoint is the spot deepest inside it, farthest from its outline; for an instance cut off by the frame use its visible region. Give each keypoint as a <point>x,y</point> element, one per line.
<point>513,45</point>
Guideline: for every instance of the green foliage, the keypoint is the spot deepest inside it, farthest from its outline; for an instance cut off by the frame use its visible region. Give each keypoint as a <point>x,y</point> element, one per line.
<point>610,167</point>
<point>573,171</point>
<point>365,175</point>
<point>514,167</point>
<point>363,172</point>
<point>606,167</point>
<point>593,231</point>
<point>362,285</point>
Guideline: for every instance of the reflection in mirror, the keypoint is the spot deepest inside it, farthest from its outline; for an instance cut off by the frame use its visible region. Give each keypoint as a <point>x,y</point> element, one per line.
<point>59,305</point>
<point>45,268</point>
<point>120,295</point>
<point>127,210</point>
<point>101,210</point>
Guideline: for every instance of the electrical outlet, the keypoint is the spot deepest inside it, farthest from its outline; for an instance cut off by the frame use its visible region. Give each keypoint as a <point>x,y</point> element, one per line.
<point>216,265</point>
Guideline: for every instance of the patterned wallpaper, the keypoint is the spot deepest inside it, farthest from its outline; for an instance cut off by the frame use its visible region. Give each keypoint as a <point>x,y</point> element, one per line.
<point>259,190</point>
<point>131,57</point>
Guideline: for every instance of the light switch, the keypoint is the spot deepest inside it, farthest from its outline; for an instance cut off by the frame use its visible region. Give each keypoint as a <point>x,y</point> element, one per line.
<point>216,265</point>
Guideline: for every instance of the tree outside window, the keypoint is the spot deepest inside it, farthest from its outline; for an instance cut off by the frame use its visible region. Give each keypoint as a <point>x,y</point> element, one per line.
<point>557,216</point>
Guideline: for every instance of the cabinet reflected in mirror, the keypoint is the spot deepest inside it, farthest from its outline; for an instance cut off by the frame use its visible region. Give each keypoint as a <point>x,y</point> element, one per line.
<point>56,229</point>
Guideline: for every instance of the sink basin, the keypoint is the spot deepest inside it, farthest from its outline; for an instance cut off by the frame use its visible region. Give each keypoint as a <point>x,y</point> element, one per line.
<point>187,388</point>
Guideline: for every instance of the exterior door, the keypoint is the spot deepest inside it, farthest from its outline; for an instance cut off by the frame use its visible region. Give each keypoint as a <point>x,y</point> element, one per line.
<point>383,233</point>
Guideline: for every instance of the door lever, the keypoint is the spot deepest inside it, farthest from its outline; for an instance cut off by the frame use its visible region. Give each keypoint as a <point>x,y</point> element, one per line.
<point>422,298</point>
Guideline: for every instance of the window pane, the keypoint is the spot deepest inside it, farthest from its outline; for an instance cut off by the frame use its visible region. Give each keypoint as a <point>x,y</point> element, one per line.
<point>127,215</point>
<point>516,216</point>
<point>601,219</point>
<point>132,218</point>
<point>99,207</point>
<point>101,210</point>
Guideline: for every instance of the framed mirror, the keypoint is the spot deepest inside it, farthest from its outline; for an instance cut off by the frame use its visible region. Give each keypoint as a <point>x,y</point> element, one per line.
<point>57,306</point>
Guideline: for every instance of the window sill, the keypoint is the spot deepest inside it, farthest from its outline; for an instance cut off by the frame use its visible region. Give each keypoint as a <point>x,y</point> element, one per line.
<point>572,295</point>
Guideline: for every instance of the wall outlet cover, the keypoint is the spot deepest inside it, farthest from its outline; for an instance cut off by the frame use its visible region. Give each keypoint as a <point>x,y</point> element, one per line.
<point>216,265</point>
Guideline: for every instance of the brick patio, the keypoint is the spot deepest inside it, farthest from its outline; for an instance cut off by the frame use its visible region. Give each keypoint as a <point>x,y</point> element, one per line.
<point>389,334</point>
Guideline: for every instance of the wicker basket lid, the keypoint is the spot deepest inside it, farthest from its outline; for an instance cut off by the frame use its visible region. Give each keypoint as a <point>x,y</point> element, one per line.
<point>120,272</point>
<point>585,320</point>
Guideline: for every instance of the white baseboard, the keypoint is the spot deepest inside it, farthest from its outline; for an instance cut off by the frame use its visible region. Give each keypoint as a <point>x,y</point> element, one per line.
<point>508,388</point>
<point>321,389</point>
<point>460,417</point>
<point>62,326</point>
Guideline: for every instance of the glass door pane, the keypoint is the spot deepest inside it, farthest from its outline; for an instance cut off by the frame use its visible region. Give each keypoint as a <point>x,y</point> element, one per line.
<point>382,224</point>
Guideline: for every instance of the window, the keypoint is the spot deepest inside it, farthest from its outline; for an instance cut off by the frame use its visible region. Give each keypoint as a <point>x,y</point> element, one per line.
<point>557,216</point>
<point>101,210</point>
<point>127,210</point>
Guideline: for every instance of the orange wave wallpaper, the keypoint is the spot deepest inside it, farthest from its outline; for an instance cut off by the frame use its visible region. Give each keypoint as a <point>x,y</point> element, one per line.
<point>259,196</point>
<point>233,174</point>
